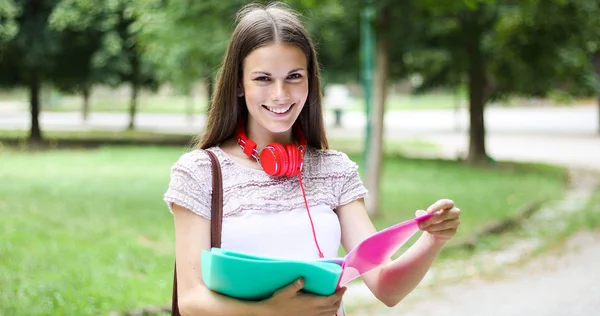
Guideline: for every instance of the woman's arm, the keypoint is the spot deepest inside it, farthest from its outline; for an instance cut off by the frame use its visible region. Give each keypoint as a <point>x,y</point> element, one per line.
<point>192,234</point>
<point>396,279</point>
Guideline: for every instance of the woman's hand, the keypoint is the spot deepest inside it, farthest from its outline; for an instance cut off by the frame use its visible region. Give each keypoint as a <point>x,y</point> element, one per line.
<point>291,301</point>
<point>444,222</point>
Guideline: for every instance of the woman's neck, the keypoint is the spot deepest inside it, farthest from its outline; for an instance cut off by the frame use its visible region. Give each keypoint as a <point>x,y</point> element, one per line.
<point>262,137</point>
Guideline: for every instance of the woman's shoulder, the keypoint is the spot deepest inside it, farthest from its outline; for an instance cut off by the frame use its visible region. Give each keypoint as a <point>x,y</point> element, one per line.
<point>195,161</point>
<point>328,155</point>
<point>329,160</point>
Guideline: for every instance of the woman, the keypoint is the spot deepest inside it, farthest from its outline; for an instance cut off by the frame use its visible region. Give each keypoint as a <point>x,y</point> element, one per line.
<point>267,104</point>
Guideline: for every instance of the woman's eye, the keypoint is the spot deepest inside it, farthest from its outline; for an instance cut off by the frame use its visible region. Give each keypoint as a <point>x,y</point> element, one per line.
<point>262,78</point>
<point>295,76</point>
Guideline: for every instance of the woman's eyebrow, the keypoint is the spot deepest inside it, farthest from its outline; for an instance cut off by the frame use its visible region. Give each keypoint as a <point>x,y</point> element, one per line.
<point>268,74</point>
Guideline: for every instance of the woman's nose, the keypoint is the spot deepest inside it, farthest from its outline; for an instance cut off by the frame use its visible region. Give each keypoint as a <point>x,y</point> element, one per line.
<point>280,91</point>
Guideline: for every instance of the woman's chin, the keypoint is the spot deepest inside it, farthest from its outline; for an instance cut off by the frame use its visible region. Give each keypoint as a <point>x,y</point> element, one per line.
<point>279,127</point>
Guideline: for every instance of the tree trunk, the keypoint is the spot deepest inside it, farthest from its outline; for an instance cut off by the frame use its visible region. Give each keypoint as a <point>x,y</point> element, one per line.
<point>477,85</point>
<point>596,64</point>
<point>135,89</point>
<point>35,133</point>
<point>85,110</point>
<point>375,149</point>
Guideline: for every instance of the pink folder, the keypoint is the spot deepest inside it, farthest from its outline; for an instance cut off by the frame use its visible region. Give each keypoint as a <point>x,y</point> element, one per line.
<point>375,250</point>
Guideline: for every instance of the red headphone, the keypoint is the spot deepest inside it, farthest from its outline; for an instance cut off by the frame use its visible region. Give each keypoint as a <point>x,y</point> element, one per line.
<point>280,160</point>
<point>275,159</point>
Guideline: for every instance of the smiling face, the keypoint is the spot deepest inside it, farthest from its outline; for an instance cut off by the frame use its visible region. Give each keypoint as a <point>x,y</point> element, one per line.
<point>275,87</point>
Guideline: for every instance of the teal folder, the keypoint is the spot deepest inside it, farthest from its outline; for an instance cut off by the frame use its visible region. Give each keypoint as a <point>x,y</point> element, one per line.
<point>250,277</point>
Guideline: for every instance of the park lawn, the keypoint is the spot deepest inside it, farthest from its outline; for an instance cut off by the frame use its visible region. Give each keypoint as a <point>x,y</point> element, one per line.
<point>157,103</point>
<point>85,232</point>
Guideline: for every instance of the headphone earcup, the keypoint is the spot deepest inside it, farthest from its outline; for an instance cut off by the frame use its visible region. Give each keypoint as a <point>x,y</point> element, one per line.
<point>292,152</point>
<point>282,157</point>
<point>274,160</point>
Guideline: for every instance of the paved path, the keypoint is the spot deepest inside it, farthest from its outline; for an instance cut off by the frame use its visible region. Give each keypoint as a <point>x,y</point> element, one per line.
<point>554,135</point>
<point>558,284</point>
<point>572,121</point>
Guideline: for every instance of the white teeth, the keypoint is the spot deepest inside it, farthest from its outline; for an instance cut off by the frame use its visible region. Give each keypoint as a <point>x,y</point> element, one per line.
<point>279,110</point>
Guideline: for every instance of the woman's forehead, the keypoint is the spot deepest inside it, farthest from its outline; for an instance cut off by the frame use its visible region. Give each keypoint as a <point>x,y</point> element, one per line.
<point>275,58</point>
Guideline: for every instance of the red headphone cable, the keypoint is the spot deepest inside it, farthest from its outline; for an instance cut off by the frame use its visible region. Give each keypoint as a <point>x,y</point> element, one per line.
<point>309,217</point>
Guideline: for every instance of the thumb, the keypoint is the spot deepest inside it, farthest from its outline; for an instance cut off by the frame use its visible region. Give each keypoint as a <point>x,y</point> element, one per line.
<point>420,213</point>
<point>292,288</point>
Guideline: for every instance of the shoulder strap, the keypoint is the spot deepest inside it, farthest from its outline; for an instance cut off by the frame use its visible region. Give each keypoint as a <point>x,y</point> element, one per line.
<point>216,220</point>
<point>216,211</point>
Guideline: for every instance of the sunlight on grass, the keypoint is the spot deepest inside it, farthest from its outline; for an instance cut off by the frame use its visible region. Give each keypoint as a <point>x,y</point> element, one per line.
<point>174,103</point>
<point>85,232</point>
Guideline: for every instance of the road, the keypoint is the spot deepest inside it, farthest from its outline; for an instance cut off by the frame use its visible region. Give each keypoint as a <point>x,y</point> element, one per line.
<point>558,284</point>
<point>567,121</point>
<point>554,135</point>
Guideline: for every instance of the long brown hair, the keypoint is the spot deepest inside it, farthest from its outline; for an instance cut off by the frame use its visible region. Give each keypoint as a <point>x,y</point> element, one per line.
<point>256,26</point>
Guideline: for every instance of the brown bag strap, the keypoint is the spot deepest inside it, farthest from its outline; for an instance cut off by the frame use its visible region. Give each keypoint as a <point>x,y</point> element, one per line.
<point>216,220</point>
<point>216,210</point>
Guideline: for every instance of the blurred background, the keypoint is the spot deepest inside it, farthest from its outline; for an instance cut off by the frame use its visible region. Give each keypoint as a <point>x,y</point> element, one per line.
<point>494,104</point>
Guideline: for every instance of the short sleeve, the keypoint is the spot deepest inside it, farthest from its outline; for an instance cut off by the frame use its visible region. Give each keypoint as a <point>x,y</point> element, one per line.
<point>190,183</point>
<point>352,187</point>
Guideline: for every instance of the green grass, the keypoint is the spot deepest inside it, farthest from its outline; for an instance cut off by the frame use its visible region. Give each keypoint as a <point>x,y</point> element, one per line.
<point>428,101</point>
<point>85,232</point>
<point>179,104</point>
<point>161,103</point>
<point>147,104</point>
<point>484,194</point>
<point>57,137</point>
<point>586,219</point>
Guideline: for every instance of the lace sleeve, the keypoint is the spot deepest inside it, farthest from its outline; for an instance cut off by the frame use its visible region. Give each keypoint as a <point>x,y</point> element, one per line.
<point>190,183</point>
<point>352,188</point>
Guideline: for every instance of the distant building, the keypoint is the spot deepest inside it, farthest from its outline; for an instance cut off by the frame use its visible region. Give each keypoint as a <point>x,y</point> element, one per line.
<point>337,97</point>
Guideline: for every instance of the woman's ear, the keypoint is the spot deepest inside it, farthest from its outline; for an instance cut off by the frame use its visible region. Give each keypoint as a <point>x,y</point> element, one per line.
<point>240,91</point>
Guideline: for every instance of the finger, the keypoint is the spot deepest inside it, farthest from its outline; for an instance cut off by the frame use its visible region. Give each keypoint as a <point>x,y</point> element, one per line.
<point>440,205</point>
<point>292,288</point>
<point>338,295</point>
<point>333,299</point>
<point>449,224</point>
<point>420,213</point>
<point>329,310</point>
<point>444,234</point>
<point>440,217</point>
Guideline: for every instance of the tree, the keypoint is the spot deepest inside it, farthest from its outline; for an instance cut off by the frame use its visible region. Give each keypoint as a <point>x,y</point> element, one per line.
<point>185,40</point>
<point>453,51</point>
<point>119,57</point>
<point>28,57</point>
<point>77,73</point>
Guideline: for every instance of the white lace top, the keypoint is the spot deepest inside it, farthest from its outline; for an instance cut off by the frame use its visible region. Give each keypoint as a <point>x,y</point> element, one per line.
<point>266,215</point>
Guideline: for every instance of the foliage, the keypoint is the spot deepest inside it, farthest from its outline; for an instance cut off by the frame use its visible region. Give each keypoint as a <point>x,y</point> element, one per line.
<point>187,41</point>
<point>31,52</point>
<point>113,51</point>
<point>8,25</point>
<point>531,48</point>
